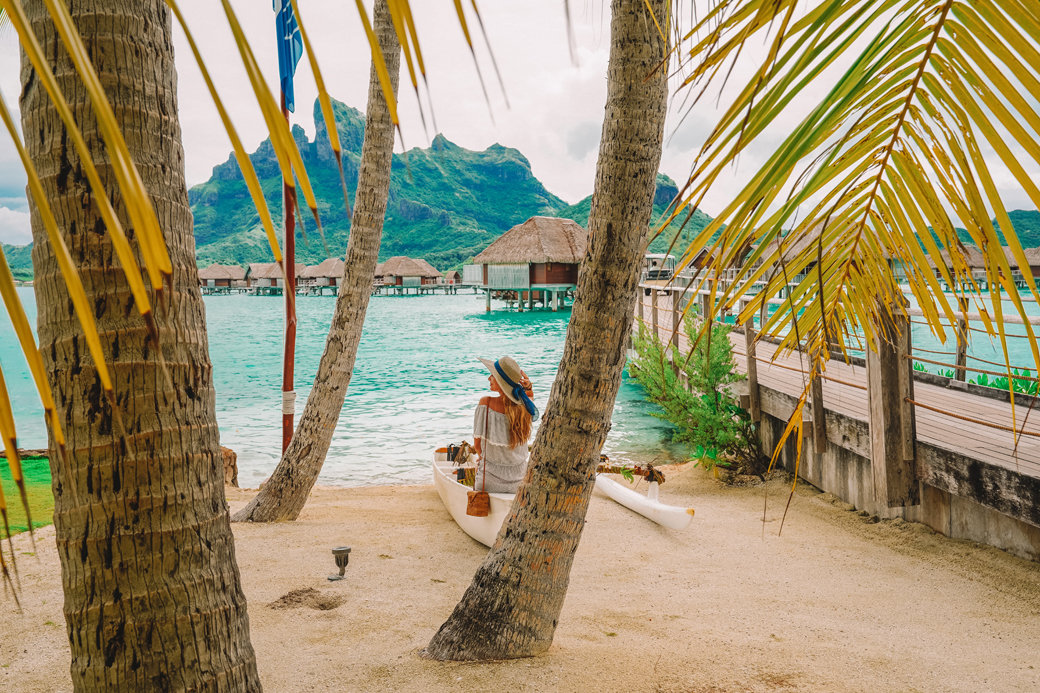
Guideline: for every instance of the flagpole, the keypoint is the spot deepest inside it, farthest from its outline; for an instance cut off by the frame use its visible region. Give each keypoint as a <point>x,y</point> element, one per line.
<point>289,358</point>
<point>290,47</point>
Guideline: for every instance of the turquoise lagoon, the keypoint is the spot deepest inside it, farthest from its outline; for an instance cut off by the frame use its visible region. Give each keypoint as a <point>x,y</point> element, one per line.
<point>414,387</point>
<point>415,382</point>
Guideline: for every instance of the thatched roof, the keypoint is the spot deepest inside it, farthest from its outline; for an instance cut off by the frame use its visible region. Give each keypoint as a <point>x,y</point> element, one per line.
<point>271,270</point>
<point>972,255</point>
<point>427,269</point>
<point>332,268</point>
<point>537,240</point>
<point>215,271</point>
<point>1032,256</point>
<point>401,266</point>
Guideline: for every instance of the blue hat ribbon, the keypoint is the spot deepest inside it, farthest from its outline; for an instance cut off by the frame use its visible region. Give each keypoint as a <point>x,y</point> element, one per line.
<point>518,392</point>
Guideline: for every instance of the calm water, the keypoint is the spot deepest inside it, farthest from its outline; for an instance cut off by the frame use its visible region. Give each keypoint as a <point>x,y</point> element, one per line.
<point>415,383</point>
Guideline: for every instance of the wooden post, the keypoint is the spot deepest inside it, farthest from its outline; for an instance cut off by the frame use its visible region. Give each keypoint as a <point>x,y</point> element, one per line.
<point>639,306</point>
<point>818,415</point>
<point>754,397</point>
<point>676,318</point>
<point>653,312</point>
<point>487,301</point>
<point>892,423</point>
<point>961,360</point>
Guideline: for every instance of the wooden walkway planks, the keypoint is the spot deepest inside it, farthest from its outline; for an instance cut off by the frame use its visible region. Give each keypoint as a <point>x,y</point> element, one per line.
<point>784,373</point>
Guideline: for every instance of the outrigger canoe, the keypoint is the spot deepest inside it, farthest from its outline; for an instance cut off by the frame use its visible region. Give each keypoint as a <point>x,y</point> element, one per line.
<point>485,529</point>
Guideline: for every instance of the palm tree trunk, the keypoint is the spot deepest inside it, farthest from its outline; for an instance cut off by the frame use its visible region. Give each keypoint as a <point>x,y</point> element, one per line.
<point>285,493</point>
<point>512,606</point>
<point>152,593</point>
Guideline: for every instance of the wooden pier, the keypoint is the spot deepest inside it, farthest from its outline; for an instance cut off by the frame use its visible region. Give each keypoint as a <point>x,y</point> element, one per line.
<point>889,440</point>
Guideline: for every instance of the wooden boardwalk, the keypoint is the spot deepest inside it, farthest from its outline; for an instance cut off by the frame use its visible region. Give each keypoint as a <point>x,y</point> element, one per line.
<point>845,393</point>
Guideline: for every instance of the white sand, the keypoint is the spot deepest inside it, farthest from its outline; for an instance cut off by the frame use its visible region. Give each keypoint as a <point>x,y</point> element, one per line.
<point>836,603</point>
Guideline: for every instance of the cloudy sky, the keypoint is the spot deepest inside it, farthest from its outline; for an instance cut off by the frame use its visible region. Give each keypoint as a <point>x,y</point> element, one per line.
<point>555,103</point>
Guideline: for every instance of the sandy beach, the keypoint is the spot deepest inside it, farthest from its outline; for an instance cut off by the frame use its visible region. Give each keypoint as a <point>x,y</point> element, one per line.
<point>839,602</point>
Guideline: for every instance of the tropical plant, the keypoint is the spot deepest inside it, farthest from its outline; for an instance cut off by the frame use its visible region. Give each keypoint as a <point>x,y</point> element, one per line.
<point>513,604</point>
<point>905,96</point>
<point>1022,381</point>
<point>704,409</point>
<point>286,491</point>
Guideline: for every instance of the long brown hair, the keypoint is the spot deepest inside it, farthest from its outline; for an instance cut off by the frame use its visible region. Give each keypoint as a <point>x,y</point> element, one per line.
<point>519,422</point>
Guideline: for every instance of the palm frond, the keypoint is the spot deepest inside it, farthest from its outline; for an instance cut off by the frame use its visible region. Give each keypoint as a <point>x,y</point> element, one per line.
<point>245,164</point>
<point>16,14</point>
<point>888,162</point>
<point>23,331</point>
<point>286,152</point>
<point>326,108</point>
<point>61,253</point>
<point>138,202</point>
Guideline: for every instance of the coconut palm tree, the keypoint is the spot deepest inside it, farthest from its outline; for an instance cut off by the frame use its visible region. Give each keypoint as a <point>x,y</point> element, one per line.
<point>152,591</point>
<point>284,494</point>
<point>513,604</point>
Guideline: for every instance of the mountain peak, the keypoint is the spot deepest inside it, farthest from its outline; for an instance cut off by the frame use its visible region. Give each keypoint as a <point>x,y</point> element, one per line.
<point>446,202</point>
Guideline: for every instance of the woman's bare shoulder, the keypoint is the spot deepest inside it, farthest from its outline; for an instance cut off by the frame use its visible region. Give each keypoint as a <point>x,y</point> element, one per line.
<point>493,403</point>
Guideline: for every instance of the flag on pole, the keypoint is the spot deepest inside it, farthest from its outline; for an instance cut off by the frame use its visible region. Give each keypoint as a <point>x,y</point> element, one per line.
<point>290,48</point>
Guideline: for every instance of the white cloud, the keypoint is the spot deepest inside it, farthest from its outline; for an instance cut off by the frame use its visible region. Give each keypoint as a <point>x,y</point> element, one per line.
<point>14,227</point>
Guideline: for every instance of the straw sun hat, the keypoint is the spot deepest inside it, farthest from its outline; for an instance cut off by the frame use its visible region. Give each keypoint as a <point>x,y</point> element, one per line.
<point>508,374</point>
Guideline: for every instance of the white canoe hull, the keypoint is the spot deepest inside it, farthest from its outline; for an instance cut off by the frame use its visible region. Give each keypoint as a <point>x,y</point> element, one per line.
<point>485,529</point>
<point>454,496</point>
<point>670,516</point>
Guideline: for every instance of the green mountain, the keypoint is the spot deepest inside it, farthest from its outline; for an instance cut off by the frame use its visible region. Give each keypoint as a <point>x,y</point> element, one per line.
<point>19,257</point>
<point>663,196</point>
<point>1026,224</point>
<point>446,203</point>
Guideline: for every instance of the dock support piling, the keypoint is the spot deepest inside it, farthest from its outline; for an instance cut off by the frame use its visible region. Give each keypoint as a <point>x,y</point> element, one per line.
<point>892,420</point>
<point>487,301</point>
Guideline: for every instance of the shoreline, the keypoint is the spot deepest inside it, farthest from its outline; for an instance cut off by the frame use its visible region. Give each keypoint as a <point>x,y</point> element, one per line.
<point>838,602</point>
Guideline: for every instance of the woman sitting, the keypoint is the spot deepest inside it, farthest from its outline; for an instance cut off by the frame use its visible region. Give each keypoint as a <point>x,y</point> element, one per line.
<point>502,427</point>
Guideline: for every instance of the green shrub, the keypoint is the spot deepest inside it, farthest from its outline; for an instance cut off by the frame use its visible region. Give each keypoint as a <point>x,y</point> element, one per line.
<point>705,412</point>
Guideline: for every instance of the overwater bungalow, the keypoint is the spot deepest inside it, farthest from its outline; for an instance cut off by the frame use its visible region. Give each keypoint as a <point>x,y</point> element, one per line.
<point>452,277</point>
<point>535,260</point>
<point>221,278</point>
<point>326,275</point>
<point>265,278</point>
<point>403,275</point>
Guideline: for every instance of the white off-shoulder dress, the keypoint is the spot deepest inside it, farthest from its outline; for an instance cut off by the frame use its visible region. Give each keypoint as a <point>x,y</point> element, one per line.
<point>505,465</point>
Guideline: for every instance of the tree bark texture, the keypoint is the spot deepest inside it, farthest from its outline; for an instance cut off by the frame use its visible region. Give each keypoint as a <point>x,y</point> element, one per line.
<point>512,606</point>
<point>285,493</point>
<point>153,599</point>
